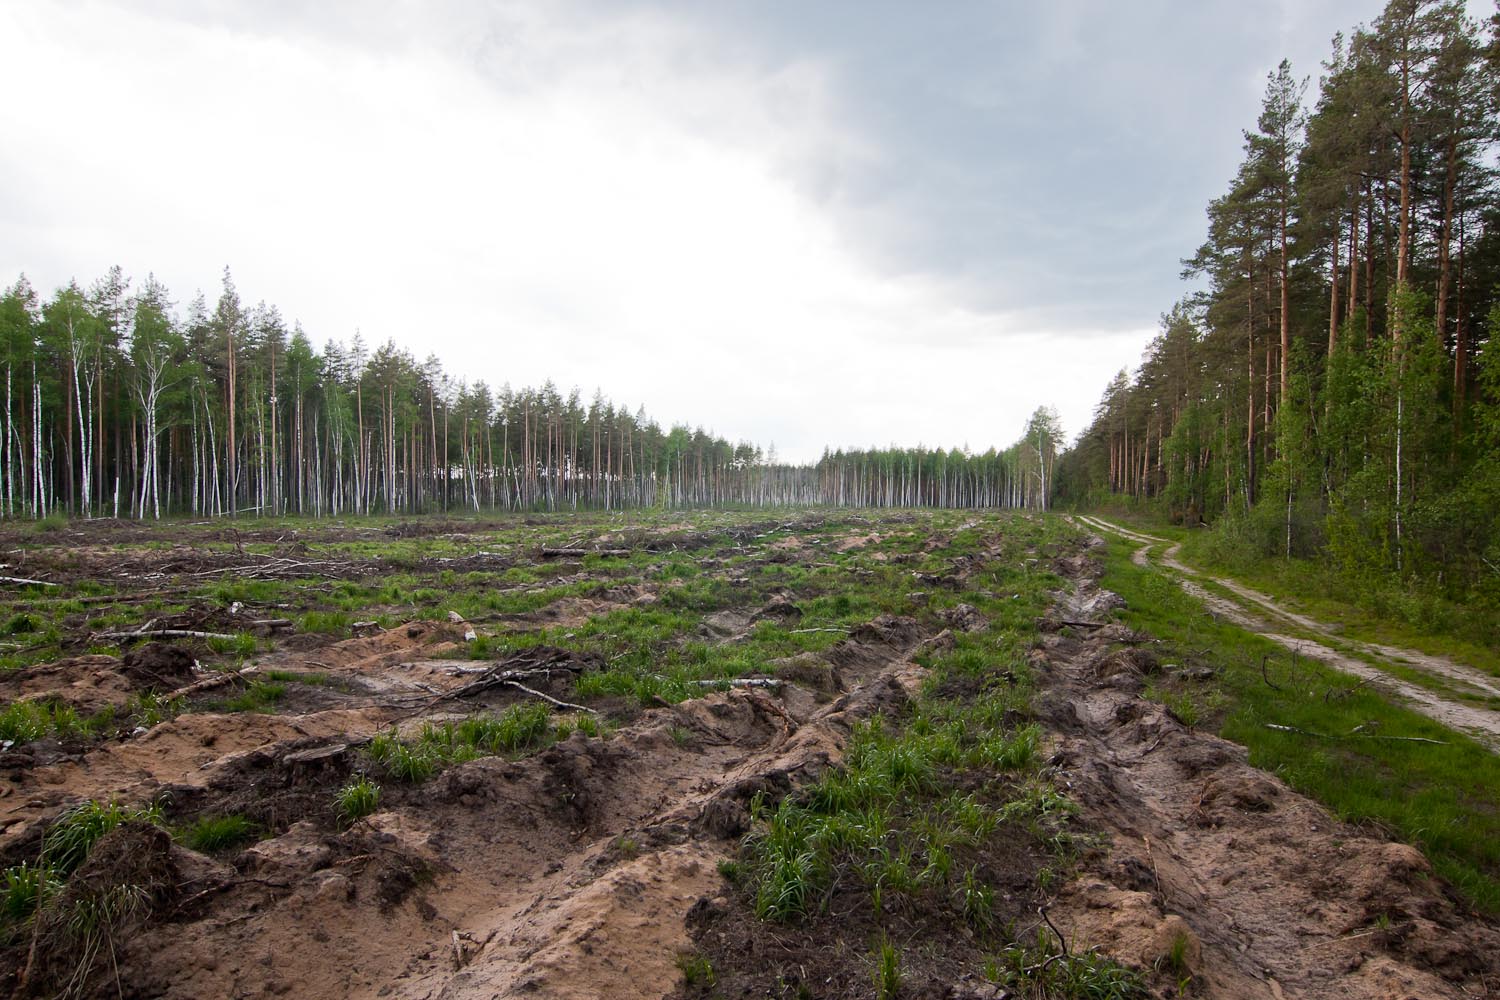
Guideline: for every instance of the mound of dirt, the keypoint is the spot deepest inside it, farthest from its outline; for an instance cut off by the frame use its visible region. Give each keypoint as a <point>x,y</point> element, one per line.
<point>159,666</point>
<point>87,683</point>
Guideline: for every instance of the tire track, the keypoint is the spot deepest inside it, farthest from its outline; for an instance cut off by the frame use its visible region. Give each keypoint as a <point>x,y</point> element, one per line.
<point>1246,612</point>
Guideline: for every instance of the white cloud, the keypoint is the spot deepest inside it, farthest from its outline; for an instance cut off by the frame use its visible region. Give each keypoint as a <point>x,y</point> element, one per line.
<point>619,203</point>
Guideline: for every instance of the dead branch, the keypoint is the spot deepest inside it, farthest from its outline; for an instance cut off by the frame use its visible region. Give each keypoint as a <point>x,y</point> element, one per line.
<point>1060,939</point>
<point>1346,692</point>
<point>171,633</point>
<point>547,697</point>
<point>1356,734</point>
<point>1266,676</point>
<point>802,631</point>
<point>25,582</point>
<point>209,683</point>
<point>742,682</point>
<point>550,553</point>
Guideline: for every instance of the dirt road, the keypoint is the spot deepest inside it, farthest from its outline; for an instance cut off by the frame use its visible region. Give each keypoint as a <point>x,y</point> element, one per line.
<point>1257,612</point>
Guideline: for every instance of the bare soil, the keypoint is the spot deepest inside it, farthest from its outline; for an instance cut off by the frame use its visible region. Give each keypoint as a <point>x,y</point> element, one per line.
<point>586,869</point>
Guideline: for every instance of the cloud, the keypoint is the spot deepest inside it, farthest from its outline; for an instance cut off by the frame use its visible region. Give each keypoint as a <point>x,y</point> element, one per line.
<point>803,223</point>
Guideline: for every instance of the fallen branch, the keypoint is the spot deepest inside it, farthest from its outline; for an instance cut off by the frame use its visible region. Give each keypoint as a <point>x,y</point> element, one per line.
<point>1060,939</point>
<point>209,683</point>
<point>25,582</point>
<point>549,553</point>
<point>1267,677</point>
<point>171,633</point>
<point>741,682</point>
<point>803,631</point>
<point>1346,692</point>
<point>548,698</point>
<point>1356,734</point>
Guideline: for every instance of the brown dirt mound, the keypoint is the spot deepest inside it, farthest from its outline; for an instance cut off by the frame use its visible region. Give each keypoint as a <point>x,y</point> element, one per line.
<point>159,666</point>
<point>1269,894</point>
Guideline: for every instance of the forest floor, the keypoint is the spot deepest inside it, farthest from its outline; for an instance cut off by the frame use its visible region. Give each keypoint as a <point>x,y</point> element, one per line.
<point>1450,692</point>
<point>817,754</point>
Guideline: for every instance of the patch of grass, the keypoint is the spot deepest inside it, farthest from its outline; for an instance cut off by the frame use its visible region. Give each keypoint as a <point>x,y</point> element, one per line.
<point>22,624</point>
<point>402,761</point>
<point>260,696</point>
<point>27,721</point>
<point>519,729</point>
<point>25,889</point>
<point>1041,971</point>
<point>697,971</point>
<point>150,709</point>
<point>328,622</point>
<point>211,834</point>
<point>240,644</point>
<point>316,678</point>
<point>887,969</point>
<point>68,841</point>
<point>356,800</point>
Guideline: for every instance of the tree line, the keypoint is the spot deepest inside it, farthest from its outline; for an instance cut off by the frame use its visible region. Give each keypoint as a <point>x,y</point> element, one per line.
<point>114,405</point>
<point>1334,389</point>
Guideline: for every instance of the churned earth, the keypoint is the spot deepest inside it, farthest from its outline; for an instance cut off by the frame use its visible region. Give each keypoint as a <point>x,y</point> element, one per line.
<point>581,730</point>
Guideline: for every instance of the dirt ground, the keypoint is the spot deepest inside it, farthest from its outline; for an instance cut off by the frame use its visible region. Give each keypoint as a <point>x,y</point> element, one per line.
<point>591,866</point>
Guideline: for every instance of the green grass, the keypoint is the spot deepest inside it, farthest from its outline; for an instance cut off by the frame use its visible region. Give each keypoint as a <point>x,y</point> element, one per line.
<point>1445,799</point>
<point>68,841</point>
<point>27,721</point>
<point>24,889</point>
<point>239,644</point>
<point>697,971</point>
<point>887,969</point>
<point>356,800</point>
<point>328,622</point>
<point>518,730</point>
<point>1040,970</point>
<point>260,696</point>
<point>211,834</point>
<point>891,819</point>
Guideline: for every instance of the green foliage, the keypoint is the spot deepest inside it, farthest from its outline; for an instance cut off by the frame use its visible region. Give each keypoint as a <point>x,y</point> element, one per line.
<point>329,622</point>
<point>150,709</point>
<point>241,644</point>
<point>358,799</point>
<point>68,841</point>
<point>519,729</point>
<point>1042,971</point>
<point>697,971</point>
<point>211,834</point>
<point>887,969</point>
<point>26,889</point>
<point>23,624</point>
<point>260,696</point>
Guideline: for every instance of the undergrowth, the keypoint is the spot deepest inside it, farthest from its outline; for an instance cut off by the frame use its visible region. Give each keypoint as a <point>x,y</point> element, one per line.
<point>517,730</point>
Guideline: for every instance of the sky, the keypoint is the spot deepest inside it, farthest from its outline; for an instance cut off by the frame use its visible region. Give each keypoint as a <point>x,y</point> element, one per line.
<point>796,223</point>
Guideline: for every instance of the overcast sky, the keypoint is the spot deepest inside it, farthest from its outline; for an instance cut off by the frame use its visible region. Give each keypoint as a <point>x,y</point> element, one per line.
<point>845,223</point>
